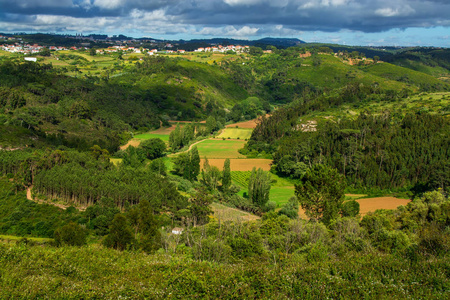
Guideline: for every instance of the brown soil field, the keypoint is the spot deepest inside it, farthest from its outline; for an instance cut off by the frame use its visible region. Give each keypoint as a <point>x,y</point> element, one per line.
<point>132,142</point>
<point>246,124</point>
<point>164,130</point>
<point>240,164</point>
<point>372,204</point>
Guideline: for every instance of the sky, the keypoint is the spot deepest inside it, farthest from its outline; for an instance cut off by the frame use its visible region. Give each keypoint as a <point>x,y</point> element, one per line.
<point>349,22</point>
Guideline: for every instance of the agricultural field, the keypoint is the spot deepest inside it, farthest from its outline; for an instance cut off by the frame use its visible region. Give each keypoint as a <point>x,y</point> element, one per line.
<point>220,149</point>
<point>151,135</point>
<point>240,164</point>
<point>372,204</point>
<point>251,124</point>
<point>236,133</point>
<point>225,213</point>
<point>280,192</point>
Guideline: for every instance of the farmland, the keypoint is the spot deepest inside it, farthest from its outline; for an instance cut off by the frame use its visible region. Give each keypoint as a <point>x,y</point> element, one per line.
<point>235,133</point>
<point>240,164</point>
<point>220,149</point>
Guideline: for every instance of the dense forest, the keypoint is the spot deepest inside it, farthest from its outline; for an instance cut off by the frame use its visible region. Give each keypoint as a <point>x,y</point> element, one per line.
<point>76,208</point>
<point>370,151</point>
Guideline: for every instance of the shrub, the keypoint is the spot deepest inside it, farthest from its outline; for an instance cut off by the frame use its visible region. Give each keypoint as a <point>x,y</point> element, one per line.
<point>71,234</point>
<point>350,208</point>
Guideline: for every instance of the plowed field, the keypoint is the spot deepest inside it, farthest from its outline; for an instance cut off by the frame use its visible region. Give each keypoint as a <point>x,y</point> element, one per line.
<point>240,164</point>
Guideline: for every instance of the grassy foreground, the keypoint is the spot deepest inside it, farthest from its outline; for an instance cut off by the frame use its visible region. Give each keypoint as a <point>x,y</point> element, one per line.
<point>32,272</point>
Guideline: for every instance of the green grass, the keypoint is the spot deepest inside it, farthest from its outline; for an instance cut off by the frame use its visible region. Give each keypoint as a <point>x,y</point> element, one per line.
<point>236,133</point>
<point>281,195</point>
<point>19,238</point>
<point>280,191</point>
<point>116,161</point>
<point>220,149</point>
<point>147,136</point>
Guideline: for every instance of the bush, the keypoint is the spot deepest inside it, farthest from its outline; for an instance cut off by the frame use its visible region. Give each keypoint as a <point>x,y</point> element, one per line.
<point>350,208</point>
<point>212,250</point>
<point>71,234</point>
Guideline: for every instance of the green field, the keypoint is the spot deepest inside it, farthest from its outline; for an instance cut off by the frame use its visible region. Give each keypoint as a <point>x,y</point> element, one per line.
<point>280,192</point>
<point>220,149</point>
<point>236,133</point>
<point>8,238</point>
<point>147,136</point>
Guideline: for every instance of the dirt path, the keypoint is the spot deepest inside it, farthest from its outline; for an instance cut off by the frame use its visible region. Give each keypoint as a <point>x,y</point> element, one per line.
<point>39,201</point>
<point>190,147</point>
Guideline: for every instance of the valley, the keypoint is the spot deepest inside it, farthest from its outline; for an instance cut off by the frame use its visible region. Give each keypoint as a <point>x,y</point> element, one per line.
<point>309,171</point>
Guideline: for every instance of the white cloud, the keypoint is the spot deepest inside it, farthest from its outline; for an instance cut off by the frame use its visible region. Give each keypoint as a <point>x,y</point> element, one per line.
<point>395,12</point>
<point>108,4</point>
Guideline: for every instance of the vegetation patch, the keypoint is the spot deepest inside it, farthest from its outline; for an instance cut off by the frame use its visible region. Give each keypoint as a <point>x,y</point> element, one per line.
<point>236,133</point>
<point>240,164</point>
<point>225,213</point>
<point>220,149</point>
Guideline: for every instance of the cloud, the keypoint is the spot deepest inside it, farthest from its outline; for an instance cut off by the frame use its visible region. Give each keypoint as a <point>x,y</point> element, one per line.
<point>245,18</point>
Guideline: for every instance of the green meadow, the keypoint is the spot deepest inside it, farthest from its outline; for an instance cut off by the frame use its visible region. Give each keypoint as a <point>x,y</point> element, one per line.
<point>220,148</point>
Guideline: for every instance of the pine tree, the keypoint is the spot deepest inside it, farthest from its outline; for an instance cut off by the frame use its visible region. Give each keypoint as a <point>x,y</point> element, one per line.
<point>120,235</point>
<point>321,193</point>
<point>194,164</point>
<point>226,175</point>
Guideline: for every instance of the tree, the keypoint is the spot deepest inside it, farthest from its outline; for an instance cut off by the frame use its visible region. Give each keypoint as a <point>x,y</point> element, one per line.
<point>92,52</point>
<point>187,164</point>
<point>210,176</point>
<point>321,193</point>
<point>199,207</point>
<point>376,58</point>
<point>226,175</point>
<point>256,51</point>
<point>120,235</point>
<point>158,166</point>
<point>150,238</point>
<point>195,164</point>
<point>175,138</point>
<point>259,187</point>
<point>211,124</point>
<point>350,208</point>
<point>153,148</point>
<point>71,234</point>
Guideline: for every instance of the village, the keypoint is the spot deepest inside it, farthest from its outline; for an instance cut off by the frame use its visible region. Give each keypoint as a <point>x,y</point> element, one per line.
<point>18,46</point>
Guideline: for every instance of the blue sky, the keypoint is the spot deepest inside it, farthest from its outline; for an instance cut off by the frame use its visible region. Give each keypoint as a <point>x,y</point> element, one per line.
<point>350,22</point>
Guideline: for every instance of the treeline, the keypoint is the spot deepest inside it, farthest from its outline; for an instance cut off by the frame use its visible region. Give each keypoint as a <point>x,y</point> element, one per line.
<point>284,120</point>
<point>84,178</point>
<point>374,151</point>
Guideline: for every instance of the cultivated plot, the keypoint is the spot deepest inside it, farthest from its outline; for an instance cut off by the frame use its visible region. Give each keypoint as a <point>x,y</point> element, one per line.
<point>220,149</point>
<point>236,133</point>
<point>240,164</point>
<point>225,213</point>
<point>372,204</point>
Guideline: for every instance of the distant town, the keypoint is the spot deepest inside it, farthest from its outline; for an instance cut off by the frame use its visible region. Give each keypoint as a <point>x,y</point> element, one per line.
<point>17,45</point>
